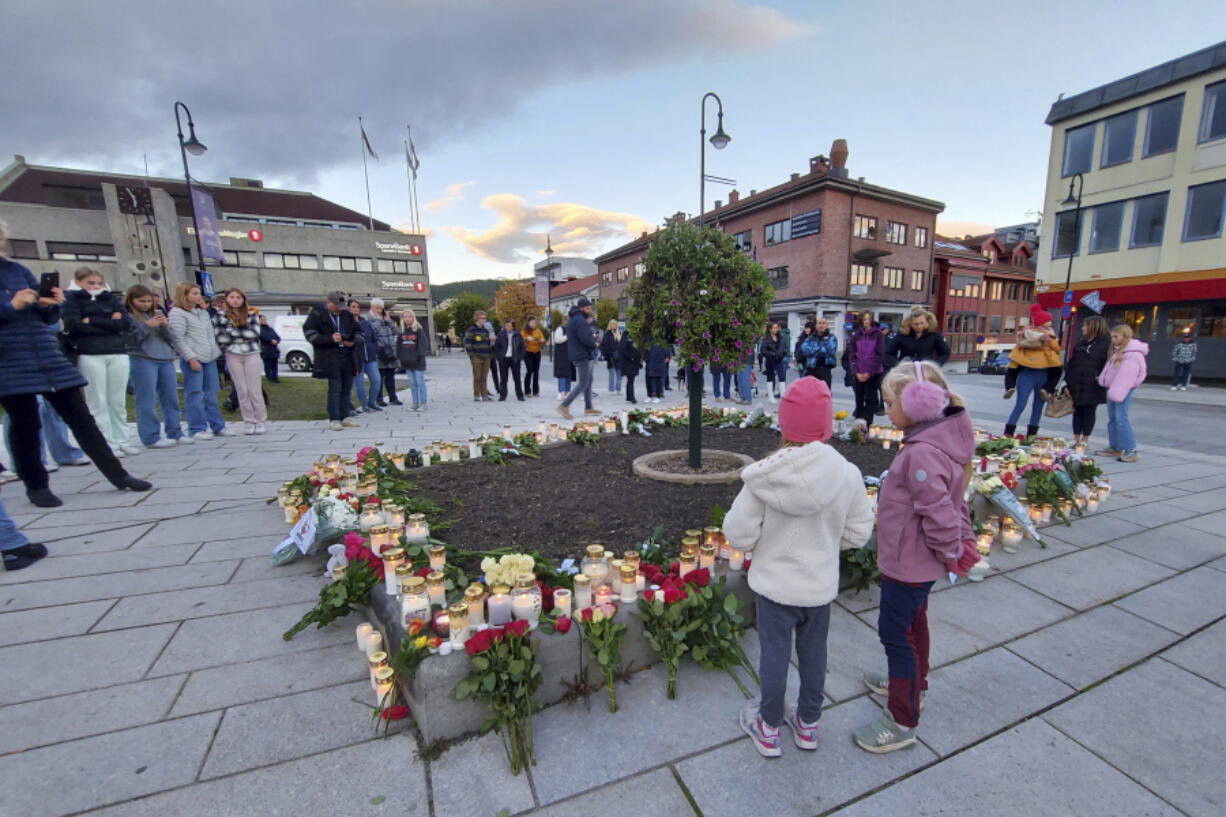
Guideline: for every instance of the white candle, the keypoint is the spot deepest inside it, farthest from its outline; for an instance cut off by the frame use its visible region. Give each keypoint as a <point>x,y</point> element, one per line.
<point>363,631</point>
<point>436,589</point>
<point>604,595</point>
<point>498,608</point>
<point>377,662</point>
<point>562,601</point>
<point>625,420</point>
<point>384,686</point>
<point>1011,537</point>
<point>374,643</point>
<point>392,559</point>
<point>474,451</point>
<point>524,607</point>
<point>438,557</point>
<point>445,648</point>
<point>416,531</point>
<point>640,582</point>
<point>736,561</point>
<point>458,623</point>
<point>583,592</point>
<point>506,433</point>
<point>629,582</point>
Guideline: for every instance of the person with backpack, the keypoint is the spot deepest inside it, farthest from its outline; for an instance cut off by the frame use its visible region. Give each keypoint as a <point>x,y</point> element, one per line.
<point>817,351</point>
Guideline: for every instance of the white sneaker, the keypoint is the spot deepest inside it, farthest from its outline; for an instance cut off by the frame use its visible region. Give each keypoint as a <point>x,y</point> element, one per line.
<point>118,452</point>
<point>259,428</point>
<point>201,435</point>
<point>52,467</point>
<point>1174,388</point>
<point>186,439</point>
<point>79,461</point>
<point>335,426</point>
<point>225,432</point>
<point>8,476</point>
<point>248,428</point>
<point>130,450</point>
<point>165,442</point>
<point>1183,388</point>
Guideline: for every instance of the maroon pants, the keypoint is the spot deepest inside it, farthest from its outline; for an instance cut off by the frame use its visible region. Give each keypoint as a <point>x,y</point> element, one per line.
<point>902,624</point>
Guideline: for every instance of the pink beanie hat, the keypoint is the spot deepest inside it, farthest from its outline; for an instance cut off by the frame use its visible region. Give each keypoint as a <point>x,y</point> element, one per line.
<point>806,412</point>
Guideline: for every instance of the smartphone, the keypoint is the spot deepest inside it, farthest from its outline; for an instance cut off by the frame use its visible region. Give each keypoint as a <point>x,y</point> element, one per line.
<point>48,282</point>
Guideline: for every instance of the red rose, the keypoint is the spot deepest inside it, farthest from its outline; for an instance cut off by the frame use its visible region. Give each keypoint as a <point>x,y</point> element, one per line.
<point>518,627</point>
<point>374,499</point>
<point>586,614</point>
<point>672,595</point>
<point>333,483</point>
<point>748,562</point>
<point>546,597</point>
<point>675,567</point>
<point>700,577</point>
<point>423,571</point>
<point>562,625</point>
<point>395,713</point>
<point>650,595</point>
<point>479,642</point>
<point>416,626</point>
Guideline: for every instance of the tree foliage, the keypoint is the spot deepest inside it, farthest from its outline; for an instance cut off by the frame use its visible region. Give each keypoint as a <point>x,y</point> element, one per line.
<point>460,311</point>
<point>556,318</point>
<point>606,310</point>
<point>700,291</point>
<point>516,302</point>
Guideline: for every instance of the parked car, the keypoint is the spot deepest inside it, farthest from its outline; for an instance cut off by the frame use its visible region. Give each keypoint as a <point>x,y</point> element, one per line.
<point>295,351</point>
<point>995,363</point>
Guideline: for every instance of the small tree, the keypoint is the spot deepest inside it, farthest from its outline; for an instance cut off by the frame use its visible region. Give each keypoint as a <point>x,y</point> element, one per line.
<point>699,291</point>
<point>606,310</point>
<point>516,302</point>
<point>556,318</point>
<point>462,308</point>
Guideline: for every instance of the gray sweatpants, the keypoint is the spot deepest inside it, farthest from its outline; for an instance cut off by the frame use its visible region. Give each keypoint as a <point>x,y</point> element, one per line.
<point>776,624</point>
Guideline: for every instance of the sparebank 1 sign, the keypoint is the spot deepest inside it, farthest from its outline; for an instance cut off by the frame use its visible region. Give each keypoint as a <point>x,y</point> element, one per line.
<point>393,248</point>
<point>409,286</point>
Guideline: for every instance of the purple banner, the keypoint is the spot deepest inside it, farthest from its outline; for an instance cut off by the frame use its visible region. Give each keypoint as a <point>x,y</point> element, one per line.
<point>207,224</point>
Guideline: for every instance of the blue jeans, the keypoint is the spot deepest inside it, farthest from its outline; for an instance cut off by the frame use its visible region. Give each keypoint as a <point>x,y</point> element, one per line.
<point>721,380</point>
<point>902,626</point>
<point>200,397</point>
<point>563,385</point>
<point>417,385</point>
<point>1029,381</point>
<point>10,537</point>
<point>615,379</point>
<point>1119,428</point>
<point>55,435</point>
<point>583,368</point>
<point>368,399</point>
<point>1183,374</point>
<point>777,623</point>
<point>154,383</point>
<point>744,383</point>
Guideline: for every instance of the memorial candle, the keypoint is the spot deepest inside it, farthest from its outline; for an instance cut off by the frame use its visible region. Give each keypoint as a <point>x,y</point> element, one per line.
<point>384,687</point>
<point>438,557</point>
<point>374,643</point>
<point>381,536</point>
<point>562,601</point>
<point>583,592</point>
<point>416,531</point>
<point>736,560</point>
<point>338,572</point>
<point>688,563</point>
<point>458,621</point>
<point>604,596</point>
<point>404,572</point>
<point>594,565</point>
<point>498,608</point>
<point>615,575</point>
<point>372,515</point>
<point>392,559</point>
<point>377,661</point>
<point>436,588</point>
<point>393,515</point>
<point>526,600</point>
<point>414,600</point>
<point>629,589</point>
<point>983,543</point>
<point>474,597</point>
<point>706,558</point>
<point>474,451</point>
<point>362,632</point>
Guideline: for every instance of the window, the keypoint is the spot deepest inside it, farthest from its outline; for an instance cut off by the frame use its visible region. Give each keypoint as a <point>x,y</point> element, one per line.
<point>1180,320</point>
<point>23,248</point>
<point>639,269</point>
<point>1213,322</point>
<point>994,324</point>
<point>964,286</point>
<point>983,325</point>
<point>623,304</point>
<point>744,240</point>
<point>1119,135</point>
<point>777,232</point>
<point>1010,323</point>
<point>1068,234</point>
<point>274,260</point>
<point>240,259</point>
<point>891,277</point>
<point>1213,115</point>
<point>895,232</point>
<point>917,279</point>
<point>995,290</point>
<point>862,274</point>
<point>921,237</point>
<point>397,265</point>
<point>1205,205</point>
<point>1135,318</point>
<point>809,223</point>
<point>865,227</point>
<point>1148,220</point>
<point>606,278</point>
<point>341,262</point>
<point>1107,226</point>
<point>778,277</point>
<point>1162,126</point>
<point>78,198</point>
<point>932,286</point>
<point>622,274</point>
<point>73,251</point>
<point>1078,149</point>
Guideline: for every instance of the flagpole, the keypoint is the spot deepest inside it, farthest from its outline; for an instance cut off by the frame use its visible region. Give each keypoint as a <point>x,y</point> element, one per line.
<point>366,174</point>
<point>410,156</point>
<point>408,182</point>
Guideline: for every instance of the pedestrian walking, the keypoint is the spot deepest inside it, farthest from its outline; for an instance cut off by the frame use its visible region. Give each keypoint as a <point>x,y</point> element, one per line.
<point>795,534</point>
<point>97,329</point>
<point>917,339</point>
<point>658,358</point>
<point>193,325</point>
<point>16,550</point>
<point>270,351</point>
<point>1081,375</point>
<point>1034,358</point>
<point>630,363</point>
<point>479,344</point>
<point>412,349</point>
<point>509,357</point>
<point>386,333</point>
<point>923,534</point>
<point>59,449</point>
<point>608,353</point>
<point>580,348</point>
<point>774,359</point>
<point>563,369</point>
<point>1125,370</point>
<point>331,331</point>
<point>817,351</point>
<point>534,343</point>
<point>866,365</point>
<point>152,356</point>
<point>238,337</point>
<point>32,364</point>
<point>1183,355</point>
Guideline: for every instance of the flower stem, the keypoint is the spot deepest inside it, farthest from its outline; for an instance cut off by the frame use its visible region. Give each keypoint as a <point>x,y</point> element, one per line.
<point>611,687</point>
<point>672,682</point>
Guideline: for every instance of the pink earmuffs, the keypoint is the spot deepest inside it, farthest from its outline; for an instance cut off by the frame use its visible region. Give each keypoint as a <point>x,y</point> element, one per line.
<point>923,400</point>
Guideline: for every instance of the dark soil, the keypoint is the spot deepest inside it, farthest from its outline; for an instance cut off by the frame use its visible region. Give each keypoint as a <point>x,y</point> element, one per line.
<point>679,463</point>
<point>573,496</point>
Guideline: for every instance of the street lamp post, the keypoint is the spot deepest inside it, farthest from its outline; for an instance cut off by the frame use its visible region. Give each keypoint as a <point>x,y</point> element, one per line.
<point>719,141</point>
<point>1066,324</point>
<point>195,147</point>
<point>549,272</point>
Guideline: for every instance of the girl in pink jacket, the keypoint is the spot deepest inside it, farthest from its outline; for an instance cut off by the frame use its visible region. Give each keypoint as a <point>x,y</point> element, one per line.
<point>923,532</point>
<point>1125,370</point>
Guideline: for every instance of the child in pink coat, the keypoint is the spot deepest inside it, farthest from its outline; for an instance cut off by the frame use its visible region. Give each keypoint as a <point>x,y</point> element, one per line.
<point>1125,370</point>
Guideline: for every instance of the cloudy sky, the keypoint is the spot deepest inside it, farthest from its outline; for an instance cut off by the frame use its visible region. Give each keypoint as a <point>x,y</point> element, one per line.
<point>573,118</point>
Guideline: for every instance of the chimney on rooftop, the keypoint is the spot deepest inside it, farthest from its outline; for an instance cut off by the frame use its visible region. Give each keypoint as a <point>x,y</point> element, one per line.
<point>753,192</point>
<point>838,158</point>
<point>718,204</point>
<point>734,196</point>
<point>795,176</point>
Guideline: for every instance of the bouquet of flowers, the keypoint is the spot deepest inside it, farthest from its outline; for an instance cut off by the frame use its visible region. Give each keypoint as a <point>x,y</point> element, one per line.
<point>507,568</point>
<point>1003,498</point>
<point>604,640</point>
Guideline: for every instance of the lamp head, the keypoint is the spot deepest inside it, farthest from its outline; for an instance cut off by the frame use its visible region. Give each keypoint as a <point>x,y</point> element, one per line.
<point>1070,198</point>
<point>720,139</point>
<point>193,145</point>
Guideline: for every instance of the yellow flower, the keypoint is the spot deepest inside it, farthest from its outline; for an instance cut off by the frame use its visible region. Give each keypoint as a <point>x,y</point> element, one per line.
<point>597,616</point>
<point>842,415</point>
<point>421,642</point>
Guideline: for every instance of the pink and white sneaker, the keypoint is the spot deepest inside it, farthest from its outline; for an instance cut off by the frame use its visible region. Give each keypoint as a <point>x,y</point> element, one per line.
<point>764,736</point>
<point>805,734</point>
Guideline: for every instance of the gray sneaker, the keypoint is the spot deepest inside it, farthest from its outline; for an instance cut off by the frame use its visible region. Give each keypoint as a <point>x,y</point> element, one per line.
<point>884,735</point>
<point>879,684</point>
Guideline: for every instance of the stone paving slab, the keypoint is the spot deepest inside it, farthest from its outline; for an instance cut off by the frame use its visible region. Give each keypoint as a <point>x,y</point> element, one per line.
<point>1150,493</point>
<point>65,665</point>
<point>241,548</point>
<point>1153,514</point>
<point>234,684</point>
<point>1029,553</point>
<point>256,523</point>
<point>66,717</point>
<point>1210,523</point>
<point>735,781</point>
<point>66,566</point>
<point>228,490</point>
<point>340,782</point>
<point>1205,502</point>
<point>198,602</point>
<point>1030,770</point>
<point>1203,654</point>
<point>1094,529</point>
<point>104,516</point>
<point>474,777</point>
<point>1176,546</point>
<point>971,699</point>
<point>1177,713</point>
<point>97,771</point>
<point>293,726</point>
<point>1182,604</point>
<point>95,541</point>
<point>131,583</point>
<point>39,625</point>
<point>1090,577</point>
<point>261,567</point>
<point>659,787</point>
<point>1087,648</point>
<point>853,649</point>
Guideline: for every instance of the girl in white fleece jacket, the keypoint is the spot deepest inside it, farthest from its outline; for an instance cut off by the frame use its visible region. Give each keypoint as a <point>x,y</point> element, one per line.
<point>799,507</point>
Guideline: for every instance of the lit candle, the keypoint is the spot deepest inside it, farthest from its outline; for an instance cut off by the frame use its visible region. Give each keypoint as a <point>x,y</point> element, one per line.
<point>338,572</point>
<point>736,560</point>
<point>1047,459</point>
<point>625,422</point>
<point>688,564</point>
<point>458,621</point>
<point>694,534</point>
<point>438,557</point>
<point>291,514</point>
<point>615,575</point>
<point>983,543</point>
<point>885,443</point>
<point>1046,510</point>
<point>392,559</point>
<point>706,558</point>
<point>631,557</point>
<point>604,595</point>
<point>374,643</point>
<point>474,451</point>
<point>404,572</point>
<point>393,515</point>
<point>583,591</point>
<point>498,608</point>
<point>1036,513</point>
<point>384,687</point>
<point>377,661</point>
<point>506,433</point>
<point>414,600</point>
<point>371,516</point>
<point>397,460</point>
<point>526,599</point>
<point>640,582</point>
<point>562,601</point>
<point>629,584</point>
<point>1092,502</point>
<point>1010,538</point>
<point>416,531</point>
<point>594,565</point>
<point>871,492</point>
<point>381,536</point>
<point>441,624</point>
<point>1079,448</point>
<point>474,597</point>
<point>362,632</point>
<point>436,589</point>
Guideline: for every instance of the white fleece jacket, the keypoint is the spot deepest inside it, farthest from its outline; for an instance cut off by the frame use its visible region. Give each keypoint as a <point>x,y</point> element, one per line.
<point>798,509</point>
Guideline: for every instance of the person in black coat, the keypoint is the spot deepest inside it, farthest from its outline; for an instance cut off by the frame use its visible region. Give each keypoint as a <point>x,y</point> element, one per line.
<point>629,361</point>
<point>269,351</point>
<point>331,331</point>
<point>918,340</point>
<point>509,357</point>
<point>658,357</point>
<point>1081,375</point>
<point>775,359</point>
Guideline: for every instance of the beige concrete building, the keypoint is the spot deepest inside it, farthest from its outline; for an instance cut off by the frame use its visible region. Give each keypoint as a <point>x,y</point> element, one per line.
<point>1149,152</point>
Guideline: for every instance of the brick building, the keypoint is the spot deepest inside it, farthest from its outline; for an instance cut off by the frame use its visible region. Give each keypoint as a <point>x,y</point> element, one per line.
<point>831,245</point>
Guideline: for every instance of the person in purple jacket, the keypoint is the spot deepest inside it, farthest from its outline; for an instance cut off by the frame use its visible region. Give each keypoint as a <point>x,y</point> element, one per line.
<point>866,363</point>
<point>923,532</point>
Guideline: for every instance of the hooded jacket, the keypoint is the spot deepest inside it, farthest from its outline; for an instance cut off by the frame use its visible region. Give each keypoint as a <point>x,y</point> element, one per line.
<point>30,358</point>
<point>866,351</point>
<point>910,346</point>
<point>1081,374</point>
<point>798,508</point>
<point>657,361</point>
<point>412,346</point>
<point>1121,377</point>
<point>922,521</point>
<point>102,335</point>
<point>580,340</point>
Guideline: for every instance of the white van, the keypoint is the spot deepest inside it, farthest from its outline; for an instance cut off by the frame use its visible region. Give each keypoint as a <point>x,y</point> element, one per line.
<point>295,351</point>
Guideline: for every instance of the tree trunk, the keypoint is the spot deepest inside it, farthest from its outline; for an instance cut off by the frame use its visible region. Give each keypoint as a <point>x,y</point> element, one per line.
<point>695,381</point>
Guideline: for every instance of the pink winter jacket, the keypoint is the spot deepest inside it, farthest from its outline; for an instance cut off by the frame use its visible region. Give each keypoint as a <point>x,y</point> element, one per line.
<point>922,520</point>
<point>1122,377</point>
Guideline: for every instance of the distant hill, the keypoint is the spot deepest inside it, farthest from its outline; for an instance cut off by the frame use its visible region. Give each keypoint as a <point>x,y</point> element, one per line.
<point>481,286</point>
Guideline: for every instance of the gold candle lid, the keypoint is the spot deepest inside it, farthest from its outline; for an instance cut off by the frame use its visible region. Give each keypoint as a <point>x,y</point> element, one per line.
<point>687,556</point>
<point>438,550</point>
<point>525,581</point>
<point>631,557</point>
<point>417,519</point>
<point>708,550</point>
<point>689,541</point>
<point>435,579</point>
<point>474,593</point>
<point>393,554</point>
<point>629,574</point>
<point>391,506</point>
<point>616,564</point>
<point>500,589</point>
<point>379,530</point>
<point>413,584</point>
<point>693,534</point>
<point>608,554</point>
<point>403,571</point>
<point>459,610</point>
<point>595,551</point>
<point>378,659</point>
<point>338,572</point>
<point>383,675</point>
<point>582,580</point>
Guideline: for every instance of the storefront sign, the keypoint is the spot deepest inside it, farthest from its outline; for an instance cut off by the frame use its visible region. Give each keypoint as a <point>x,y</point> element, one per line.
<point>1094,301</point>
<point>205,212</point>
<point>238,235</point>
<point>398,249</point>
<point>859,289</point>
<point>410,286</point>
